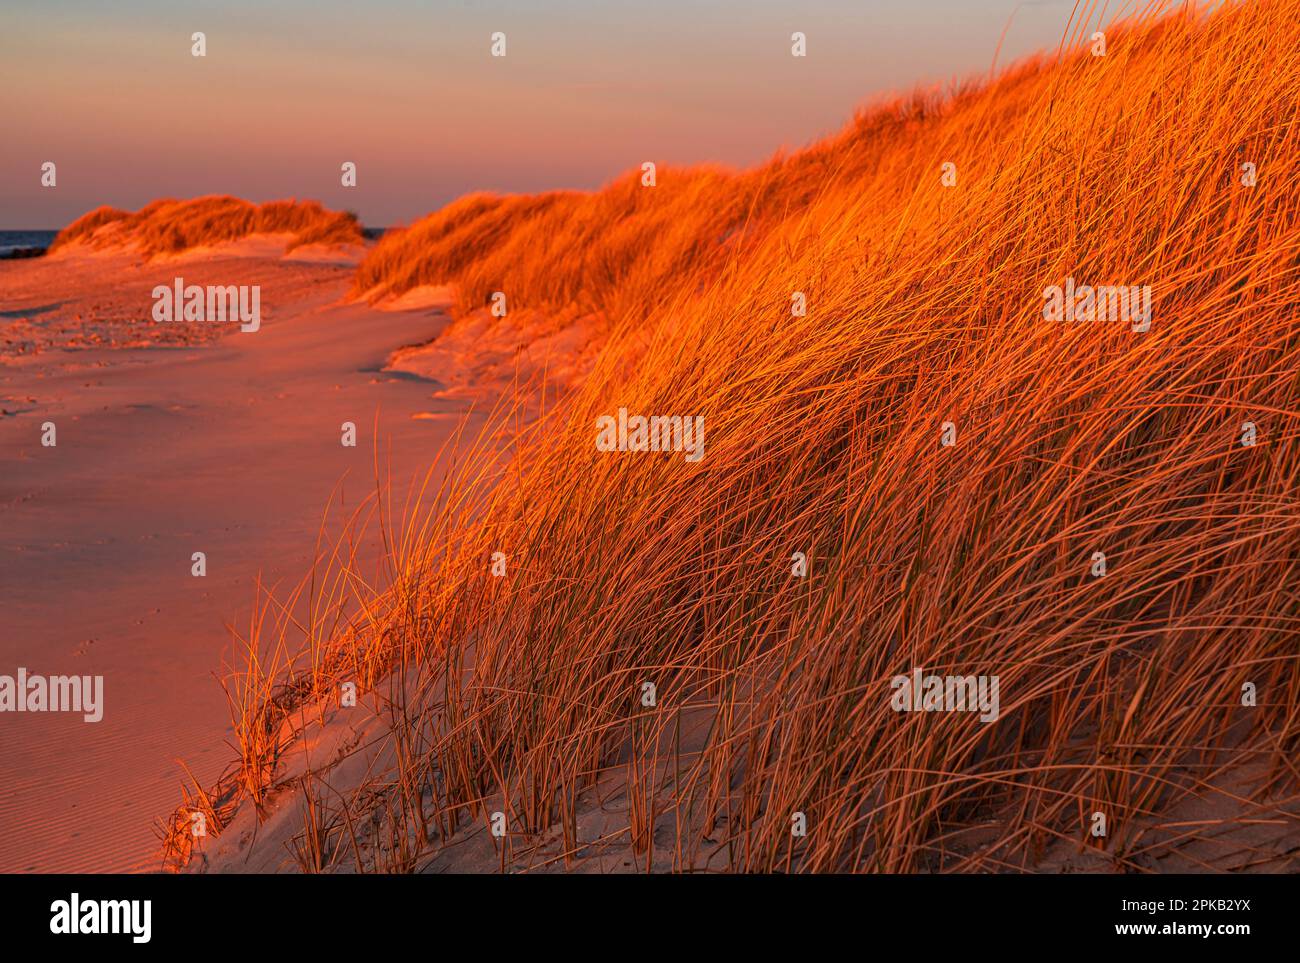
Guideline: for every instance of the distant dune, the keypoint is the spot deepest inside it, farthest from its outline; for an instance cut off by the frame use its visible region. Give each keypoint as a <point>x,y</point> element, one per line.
<point>170,227</point>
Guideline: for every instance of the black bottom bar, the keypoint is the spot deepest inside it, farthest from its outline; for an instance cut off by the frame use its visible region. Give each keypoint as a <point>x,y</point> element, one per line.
<point>335,913</point>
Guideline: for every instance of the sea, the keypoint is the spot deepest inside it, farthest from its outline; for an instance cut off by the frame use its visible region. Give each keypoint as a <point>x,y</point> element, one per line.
<point>12,242</point>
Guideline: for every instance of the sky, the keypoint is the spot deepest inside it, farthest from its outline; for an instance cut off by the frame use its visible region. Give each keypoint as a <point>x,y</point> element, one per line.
<point>409,92</point>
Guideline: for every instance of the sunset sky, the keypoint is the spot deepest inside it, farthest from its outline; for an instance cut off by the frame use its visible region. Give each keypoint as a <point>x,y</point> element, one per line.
<point>290,90</point>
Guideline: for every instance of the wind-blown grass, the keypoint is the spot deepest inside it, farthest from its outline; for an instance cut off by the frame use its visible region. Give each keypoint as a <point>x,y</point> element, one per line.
<point>1120,694</point>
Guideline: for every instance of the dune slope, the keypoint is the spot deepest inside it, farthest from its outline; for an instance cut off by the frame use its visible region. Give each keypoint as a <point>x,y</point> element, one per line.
<point>1111,529</point>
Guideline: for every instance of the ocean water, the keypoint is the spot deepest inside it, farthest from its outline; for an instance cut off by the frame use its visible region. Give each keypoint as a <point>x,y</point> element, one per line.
<point>11,241</point>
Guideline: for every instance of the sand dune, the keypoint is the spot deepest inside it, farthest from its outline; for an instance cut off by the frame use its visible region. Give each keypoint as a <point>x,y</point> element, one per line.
<point>913,464</point>
<point>611,658</point>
